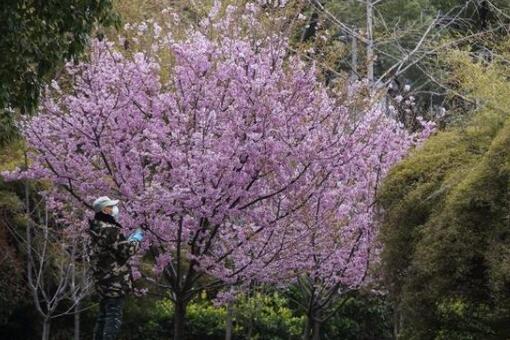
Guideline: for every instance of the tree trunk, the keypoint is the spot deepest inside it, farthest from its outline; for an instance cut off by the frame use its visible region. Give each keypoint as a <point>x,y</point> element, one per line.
<point>46,329</point>
<point>179,320</point>
<point>228,321</point>
<point>316,330</point>
<point>308,327</point>
<point>77,322</point>
<point>250,328</point>
<point>370,45</point>
<point>311,26</point>
<point>354,55</point>
<point>354,63</point>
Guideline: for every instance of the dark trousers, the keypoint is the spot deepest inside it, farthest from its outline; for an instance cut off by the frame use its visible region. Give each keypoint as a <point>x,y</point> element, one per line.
<point>109,318</point>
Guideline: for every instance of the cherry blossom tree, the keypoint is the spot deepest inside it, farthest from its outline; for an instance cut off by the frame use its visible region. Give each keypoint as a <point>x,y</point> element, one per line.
<point>338,250</point>
<point>231,167</point>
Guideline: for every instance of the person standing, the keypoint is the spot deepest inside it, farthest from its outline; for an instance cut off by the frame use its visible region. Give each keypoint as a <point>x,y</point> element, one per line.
<point>109,253</point>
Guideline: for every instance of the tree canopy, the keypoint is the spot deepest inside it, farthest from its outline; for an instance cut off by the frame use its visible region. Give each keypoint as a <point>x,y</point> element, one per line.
<point>36,37</point>
<point>446,228</point>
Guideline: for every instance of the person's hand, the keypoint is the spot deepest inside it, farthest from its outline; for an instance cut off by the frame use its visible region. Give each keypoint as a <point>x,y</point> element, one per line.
<point>136,236</point>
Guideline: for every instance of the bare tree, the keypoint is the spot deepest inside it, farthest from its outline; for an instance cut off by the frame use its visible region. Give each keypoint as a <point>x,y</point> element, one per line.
<point>398,53</point>
<point>57,278</point>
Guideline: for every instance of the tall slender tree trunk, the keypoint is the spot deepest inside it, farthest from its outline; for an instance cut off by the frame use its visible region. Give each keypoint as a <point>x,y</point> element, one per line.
<point>228,321</point>
<point>316,330</point>
<point>311,27</point>
<point>308,328</point>
<point>179,320</point>
<point>46,329</point>
<point>354,54</point>
<point>77,321</point>
<point>76,308</point>
<point>354,62</point>
<point>250,329</point>
<point>370,44</point>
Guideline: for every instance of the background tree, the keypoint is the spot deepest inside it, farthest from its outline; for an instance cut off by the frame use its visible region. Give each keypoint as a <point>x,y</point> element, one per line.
<point>446,224</point>
<point>36,37</point>
<point>12,284</point>
<point>340,248</point>
<point>397,44</point>
<point>55,269</point>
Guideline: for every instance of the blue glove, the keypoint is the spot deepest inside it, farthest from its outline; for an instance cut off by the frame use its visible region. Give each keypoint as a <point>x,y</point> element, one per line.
<point>136,236</point>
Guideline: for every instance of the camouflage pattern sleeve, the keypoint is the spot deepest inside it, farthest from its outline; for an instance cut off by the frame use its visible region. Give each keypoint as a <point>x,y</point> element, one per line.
<point>122,248</point>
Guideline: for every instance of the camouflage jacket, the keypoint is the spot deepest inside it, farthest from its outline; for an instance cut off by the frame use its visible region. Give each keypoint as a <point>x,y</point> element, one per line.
<point>109,252</point>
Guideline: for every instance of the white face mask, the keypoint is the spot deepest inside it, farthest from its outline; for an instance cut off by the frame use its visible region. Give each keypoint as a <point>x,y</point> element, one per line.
<point>115,213</point>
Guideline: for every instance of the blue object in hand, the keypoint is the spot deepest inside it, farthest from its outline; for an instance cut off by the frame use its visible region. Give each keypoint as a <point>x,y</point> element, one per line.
<point>136,236</point>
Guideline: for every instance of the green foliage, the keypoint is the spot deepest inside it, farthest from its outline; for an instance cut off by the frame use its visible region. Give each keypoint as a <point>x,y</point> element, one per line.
<point>363,316</point>
<point>36,37</point>
<point>262,316</point>
<point>147,318</point>
<point>15,300</point>
<point>446,227</point>
<point>12,221</point>
<point>12,288</point>
<point>267,317</point>
<point>206,320</point>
